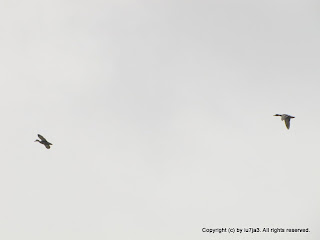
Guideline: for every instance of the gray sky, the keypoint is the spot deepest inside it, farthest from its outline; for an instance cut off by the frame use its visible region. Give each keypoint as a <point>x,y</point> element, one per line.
<point>160,115</point>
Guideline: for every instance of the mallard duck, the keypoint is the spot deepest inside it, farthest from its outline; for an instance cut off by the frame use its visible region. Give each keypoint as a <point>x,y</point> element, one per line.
<point>286,119</point>
<point>43,141</point>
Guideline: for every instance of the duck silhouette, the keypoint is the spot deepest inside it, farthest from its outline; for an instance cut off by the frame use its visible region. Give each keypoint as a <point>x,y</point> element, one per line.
<point>43,141</point>
<point>286,119</point>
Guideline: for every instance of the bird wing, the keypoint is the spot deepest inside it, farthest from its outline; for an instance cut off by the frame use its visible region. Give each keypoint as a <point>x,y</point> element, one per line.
<point>287,122</point>
<point>42,138</point>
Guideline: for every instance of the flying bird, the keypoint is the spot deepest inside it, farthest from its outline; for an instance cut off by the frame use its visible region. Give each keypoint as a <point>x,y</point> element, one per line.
<point>43,141</point>
<point>286,119</point>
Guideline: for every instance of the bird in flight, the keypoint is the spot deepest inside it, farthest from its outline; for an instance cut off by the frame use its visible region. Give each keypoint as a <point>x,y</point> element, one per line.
<point>43,141</point>
<point>286,119</point>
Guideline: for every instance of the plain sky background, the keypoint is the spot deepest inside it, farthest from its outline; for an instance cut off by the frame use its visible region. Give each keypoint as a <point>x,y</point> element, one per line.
<point>161,118</point>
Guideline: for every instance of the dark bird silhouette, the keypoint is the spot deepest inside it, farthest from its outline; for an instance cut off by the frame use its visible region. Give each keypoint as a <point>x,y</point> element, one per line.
<point>286,119</point>
<point>43,141</point>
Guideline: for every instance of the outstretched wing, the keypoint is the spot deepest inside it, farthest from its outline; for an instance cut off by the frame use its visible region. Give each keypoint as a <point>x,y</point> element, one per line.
<point>42,138</point>
<point>287,121</point>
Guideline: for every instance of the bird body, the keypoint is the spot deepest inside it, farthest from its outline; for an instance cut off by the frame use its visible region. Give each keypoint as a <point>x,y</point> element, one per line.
<point>43,141</point>
<point>286,118</point>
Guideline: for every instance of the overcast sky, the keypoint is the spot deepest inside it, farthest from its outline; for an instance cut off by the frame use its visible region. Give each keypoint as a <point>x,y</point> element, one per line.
<point>161,118</point>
